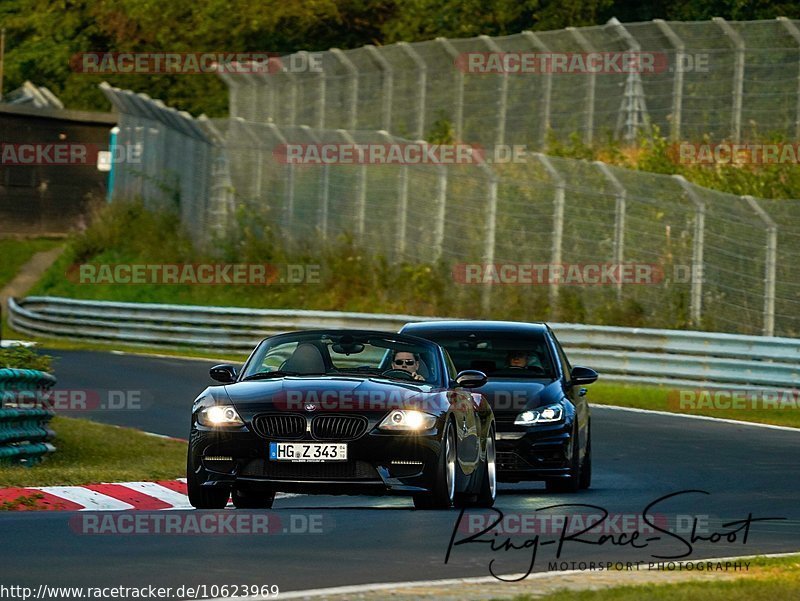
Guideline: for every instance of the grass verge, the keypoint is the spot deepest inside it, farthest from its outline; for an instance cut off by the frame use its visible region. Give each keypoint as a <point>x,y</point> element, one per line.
<point>17,251</point>
<point>89,453</point>
<point>766,580</point>
<point>664,398</point>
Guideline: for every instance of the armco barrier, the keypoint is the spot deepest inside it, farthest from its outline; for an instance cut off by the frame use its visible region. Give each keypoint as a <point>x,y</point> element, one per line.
<point>676,357</point>
<point>24,433</point>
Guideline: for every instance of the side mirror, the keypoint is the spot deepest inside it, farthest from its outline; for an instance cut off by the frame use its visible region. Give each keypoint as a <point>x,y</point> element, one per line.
<point>471,378</point>
<point>223,373</point>
<point>583,375</point>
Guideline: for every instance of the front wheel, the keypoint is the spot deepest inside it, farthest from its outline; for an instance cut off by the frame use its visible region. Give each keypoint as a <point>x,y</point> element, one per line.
<point>586,468</point>
<point>488,491</point>
<point>444,488</point>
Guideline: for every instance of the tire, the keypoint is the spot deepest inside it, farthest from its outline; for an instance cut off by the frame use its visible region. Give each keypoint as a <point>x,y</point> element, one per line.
<point>570,484</point>
<point>252,499</point>
<point>488,491</point>
<point>586,468</point>
<point>444,488</point>
<point>204,497</point>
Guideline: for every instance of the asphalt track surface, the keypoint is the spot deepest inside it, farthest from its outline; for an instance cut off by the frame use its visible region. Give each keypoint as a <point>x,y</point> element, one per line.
<point>638,458</point>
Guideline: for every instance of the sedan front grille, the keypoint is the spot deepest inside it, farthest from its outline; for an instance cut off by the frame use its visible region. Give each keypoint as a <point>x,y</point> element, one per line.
<point>338,427</point>
<point>280,425</point>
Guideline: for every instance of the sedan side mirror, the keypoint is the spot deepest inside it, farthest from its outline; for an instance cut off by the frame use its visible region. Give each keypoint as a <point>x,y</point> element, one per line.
<point>583,375</point>
<point>471,378</point>
<point>223,373</point>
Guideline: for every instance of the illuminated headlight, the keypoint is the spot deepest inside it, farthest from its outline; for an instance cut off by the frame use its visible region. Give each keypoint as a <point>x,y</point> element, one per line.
<point>218,416</point>
<point>408,420</point>
<point>542,415</point>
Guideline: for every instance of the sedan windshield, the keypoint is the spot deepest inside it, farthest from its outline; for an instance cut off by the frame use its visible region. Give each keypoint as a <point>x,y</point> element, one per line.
<point>497,354</point>
<point>354,353</point>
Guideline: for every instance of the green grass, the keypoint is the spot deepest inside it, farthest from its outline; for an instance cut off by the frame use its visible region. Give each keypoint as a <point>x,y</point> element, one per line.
<point>662,398</point>
<point>767,580</point>
<point>88,453</point>
<point>15,252</point>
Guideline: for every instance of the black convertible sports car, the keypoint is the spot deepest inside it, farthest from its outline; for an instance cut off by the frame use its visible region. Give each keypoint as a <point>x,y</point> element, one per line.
<point>343,412</point>
<point>543,418</point>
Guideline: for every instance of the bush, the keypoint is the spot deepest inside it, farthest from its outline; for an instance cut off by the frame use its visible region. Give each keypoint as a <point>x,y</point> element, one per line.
<point>21,357</point>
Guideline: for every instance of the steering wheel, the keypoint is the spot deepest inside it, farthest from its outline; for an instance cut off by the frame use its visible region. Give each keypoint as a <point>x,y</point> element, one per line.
<point>398,373</point>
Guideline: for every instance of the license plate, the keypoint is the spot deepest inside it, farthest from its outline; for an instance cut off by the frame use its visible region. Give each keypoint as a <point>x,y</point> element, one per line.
<point>307,451</point>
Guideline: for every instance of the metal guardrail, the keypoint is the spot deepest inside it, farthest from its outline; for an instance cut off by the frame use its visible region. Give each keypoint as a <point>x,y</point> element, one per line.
<point>673,357</point>
<point>24,432</point>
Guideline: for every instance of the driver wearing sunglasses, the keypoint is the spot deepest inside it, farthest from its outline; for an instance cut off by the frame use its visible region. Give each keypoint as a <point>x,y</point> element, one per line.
<point>407,362</point>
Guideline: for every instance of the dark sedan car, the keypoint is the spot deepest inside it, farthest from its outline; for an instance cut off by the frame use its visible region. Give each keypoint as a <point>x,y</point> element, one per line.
<point>343,412</point>
<point>543,418</point>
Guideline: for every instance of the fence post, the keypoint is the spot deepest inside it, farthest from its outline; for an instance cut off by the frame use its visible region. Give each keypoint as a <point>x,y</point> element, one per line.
<point>738,77</point>
<point>321,99</point>
<point>591,85</point>
<point>770,266</point>
<point>558,222</point>
<point>257,142</point>
<point>795,33</point>
<point>387,85</point>
<point>698,244</point>
<point>441,199</point>
<point>402,201</point>
<point>491,230</point>
<point>620,196</point>
<point>324,190</point>
<point>458,124</point>
<point>547,88</point>
<point>289,192</point>
<point>500,131</point>
<point>422,82</point>
<point>633,101</point>
<point>361,197</point>
<point>677,78</point>
<point>280,97</point>
<point>353,73</point>
<point>220,195</point>
<point>233,91</point>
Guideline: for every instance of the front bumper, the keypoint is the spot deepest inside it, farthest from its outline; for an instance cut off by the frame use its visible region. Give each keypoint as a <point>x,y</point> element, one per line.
<point>533,452</point>
<point>378,463</point>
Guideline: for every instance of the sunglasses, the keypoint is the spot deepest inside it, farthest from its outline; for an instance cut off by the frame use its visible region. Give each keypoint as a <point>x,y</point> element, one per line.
<point>408,362</point>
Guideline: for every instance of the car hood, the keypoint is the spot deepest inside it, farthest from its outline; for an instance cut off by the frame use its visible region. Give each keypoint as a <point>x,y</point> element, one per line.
<point>509,396</point>
<point>329,394</point>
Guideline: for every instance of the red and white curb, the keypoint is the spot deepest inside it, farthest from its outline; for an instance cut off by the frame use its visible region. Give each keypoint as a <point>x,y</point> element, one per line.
<point>121,496</point>
<point>164,494</point>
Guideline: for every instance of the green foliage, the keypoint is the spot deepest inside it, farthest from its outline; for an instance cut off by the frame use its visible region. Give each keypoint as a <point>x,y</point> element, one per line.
<point>442,132</point>
<point>21,357</point>
<point>656,154</point>
<point>44,37</point>
<point>16,252</point>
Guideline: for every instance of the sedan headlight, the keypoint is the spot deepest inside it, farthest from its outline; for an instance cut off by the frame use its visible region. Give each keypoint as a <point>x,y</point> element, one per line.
<point>219,416</point>
<point>408,420</point>
<point>540,415</point>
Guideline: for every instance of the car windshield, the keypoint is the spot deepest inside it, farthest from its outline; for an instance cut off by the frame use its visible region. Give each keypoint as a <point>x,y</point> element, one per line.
<point>353,353</point>
<point>497,354</point>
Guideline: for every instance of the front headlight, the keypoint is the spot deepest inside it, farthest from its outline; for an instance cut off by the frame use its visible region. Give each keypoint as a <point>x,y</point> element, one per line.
<point>408,420</point>
<point>219,416</point>
<point>540,415</point>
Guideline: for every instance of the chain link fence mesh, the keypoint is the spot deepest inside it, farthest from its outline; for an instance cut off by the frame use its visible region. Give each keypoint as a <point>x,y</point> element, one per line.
<point>727,263</point>
<point>727,80</point>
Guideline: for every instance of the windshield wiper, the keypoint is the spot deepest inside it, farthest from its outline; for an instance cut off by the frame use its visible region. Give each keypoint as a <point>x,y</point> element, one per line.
<point>263,375</point>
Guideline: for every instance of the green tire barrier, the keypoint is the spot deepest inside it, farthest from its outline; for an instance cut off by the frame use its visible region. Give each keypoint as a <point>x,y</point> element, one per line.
<point>24,431</point>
